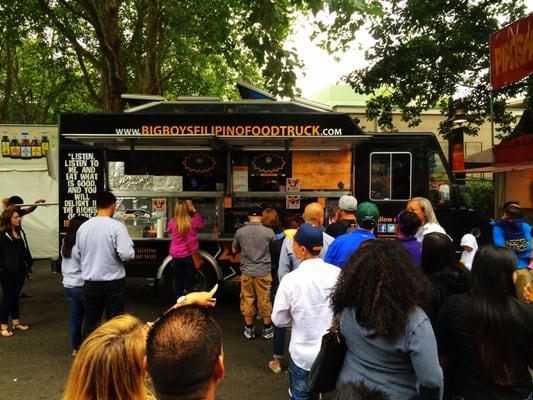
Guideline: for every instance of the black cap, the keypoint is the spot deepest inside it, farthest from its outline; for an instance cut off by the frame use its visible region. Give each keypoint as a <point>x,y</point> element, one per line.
<point>255,211</point>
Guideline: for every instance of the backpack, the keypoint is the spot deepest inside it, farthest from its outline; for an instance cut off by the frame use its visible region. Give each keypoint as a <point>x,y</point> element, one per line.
<point>275,250</point>
<point>349,227</point>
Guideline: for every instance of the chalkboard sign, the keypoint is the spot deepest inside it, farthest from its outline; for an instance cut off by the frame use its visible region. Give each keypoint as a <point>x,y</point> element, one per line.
<point>82,175</point>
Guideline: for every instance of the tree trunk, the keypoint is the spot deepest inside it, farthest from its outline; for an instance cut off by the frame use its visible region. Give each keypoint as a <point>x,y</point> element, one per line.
<point>8,84</point>
<point>113,67</point>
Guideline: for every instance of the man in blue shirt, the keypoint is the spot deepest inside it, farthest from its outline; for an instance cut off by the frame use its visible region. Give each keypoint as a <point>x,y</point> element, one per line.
<point>344,246</point>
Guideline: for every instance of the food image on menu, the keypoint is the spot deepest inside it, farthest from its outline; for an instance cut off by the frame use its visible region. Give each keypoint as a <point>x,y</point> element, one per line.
<point>159,205</point>
<point>293,202</point>
<point>293,184</point>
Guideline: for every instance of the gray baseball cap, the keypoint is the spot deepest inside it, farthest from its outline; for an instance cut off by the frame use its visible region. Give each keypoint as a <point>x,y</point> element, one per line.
<point>348,203</point>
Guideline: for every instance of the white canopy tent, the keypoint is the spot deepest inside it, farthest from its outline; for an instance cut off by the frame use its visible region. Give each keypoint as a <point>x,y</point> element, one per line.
<point>31,179</point>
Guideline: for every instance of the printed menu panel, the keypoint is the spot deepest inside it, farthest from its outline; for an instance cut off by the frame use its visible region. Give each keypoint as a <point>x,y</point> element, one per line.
<point>82,175</point>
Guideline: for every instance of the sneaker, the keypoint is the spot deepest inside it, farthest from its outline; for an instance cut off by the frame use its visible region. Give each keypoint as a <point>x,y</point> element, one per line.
<point>268,333</point>
<point>249,333</point>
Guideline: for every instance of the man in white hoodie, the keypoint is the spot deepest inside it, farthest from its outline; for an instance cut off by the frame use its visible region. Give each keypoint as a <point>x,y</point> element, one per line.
<point>302,302</point>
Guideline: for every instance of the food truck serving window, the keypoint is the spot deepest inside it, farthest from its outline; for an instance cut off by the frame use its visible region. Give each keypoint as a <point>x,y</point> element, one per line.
<point>390,175</point>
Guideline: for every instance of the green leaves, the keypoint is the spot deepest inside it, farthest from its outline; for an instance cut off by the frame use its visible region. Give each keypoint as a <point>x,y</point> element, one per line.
<point>85,54</point>
<point>426,51</point>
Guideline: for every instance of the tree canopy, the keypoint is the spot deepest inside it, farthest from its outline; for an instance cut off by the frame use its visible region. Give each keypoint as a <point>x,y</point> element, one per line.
<point>66,55</point>
<point>428,51</point>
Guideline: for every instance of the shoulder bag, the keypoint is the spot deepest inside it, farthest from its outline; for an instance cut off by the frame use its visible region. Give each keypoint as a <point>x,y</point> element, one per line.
<point>197,259</point>
<point>328,363</point>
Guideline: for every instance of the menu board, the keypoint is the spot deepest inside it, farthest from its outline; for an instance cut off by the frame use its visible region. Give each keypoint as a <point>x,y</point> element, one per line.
<point>322,170</point>
<point>82,175</point>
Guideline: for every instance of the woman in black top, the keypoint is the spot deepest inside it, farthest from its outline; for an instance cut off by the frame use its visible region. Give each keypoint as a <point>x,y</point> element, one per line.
<point>485,336</point>
<point>446,274</point>
<point>14,261</point>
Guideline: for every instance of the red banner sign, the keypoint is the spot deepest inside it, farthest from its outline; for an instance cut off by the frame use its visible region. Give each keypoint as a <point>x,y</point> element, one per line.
<point>511,52</point>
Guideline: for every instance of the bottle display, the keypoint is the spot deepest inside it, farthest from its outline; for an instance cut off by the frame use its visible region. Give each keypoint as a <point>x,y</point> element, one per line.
<point>14,147</point>
<point>45,145</point>
<point>36,148</point>
<point>6,152</point>
<point>25,146</point>
<point>22,146</point>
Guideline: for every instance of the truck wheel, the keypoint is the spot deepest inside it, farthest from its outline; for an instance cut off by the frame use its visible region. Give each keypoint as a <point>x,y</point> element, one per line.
<point>205,279</point>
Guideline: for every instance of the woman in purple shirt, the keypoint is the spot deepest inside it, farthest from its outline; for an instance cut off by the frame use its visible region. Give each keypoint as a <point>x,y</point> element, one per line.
<point>187,220</point>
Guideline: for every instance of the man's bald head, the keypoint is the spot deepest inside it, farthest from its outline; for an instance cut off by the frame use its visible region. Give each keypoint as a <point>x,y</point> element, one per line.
<point>314,214</point>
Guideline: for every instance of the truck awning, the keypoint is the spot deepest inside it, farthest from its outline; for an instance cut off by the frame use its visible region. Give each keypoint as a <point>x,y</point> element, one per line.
<point>495,168</point>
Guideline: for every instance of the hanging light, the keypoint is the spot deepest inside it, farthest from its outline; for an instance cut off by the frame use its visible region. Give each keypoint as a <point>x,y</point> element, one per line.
<point>459,116</point>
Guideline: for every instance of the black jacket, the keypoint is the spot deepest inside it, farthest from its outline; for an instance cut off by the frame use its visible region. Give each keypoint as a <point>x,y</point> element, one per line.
<point>453,280</point>
<point>14,259</point>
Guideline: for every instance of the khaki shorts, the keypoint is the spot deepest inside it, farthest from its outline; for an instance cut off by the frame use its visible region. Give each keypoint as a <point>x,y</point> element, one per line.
<point>523,277</point>
<point>255,295</point>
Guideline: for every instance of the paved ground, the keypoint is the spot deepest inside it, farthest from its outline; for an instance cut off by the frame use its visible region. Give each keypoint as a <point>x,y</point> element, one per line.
<point>35,364</point>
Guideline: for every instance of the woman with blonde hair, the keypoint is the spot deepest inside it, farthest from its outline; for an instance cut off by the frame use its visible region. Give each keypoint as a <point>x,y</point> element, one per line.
<point>109,363</point>
<point>187,220</point>
<point>424,210</point>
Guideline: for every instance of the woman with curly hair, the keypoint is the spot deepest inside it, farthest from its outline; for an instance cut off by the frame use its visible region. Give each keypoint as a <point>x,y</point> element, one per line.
<point>389,339</point>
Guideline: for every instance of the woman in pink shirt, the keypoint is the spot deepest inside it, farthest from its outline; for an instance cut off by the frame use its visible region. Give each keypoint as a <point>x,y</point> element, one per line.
<point>187,220</point>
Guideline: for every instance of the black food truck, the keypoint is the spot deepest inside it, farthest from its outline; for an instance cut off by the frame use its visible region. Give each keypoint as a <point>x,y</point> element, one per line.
<point>230,156</point>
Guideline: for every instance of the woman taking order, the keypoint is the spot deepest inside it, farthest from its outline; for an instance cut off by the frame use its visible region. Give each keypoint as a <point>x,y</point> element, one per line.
<point>391,345</point>
<point>73,282</point>
<point>187,220</point>
<point>485,335</point>
<point>14,261</point>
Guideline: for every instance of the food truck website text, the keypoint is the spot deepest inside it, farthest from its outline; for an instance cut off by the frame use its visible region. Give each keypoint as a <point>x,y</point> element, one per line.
<point>230,130</point>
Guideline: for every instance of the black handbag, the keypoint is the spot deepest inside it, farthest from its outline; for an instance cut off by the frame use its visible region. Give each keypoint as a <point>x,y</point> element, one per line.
<point>328,363</point>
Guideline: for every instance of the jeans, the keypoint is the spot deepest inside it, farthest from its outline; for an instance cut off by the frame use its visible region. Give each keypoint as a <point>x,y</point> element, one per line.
<point>11,288</point>
<point>98,296</point>
<point>74,296</point>
<point>298,383</point>
<point>184,273</point>
<point>279,342</point>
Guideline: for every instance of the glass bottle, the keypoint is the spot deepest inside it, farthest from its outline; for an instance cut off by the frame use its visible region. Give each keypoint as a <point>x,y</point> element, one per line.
<point>45,145</point>
<point>14,148</point>
<point>25,146</point>
<point>36,148</point>
<point>5,145</point>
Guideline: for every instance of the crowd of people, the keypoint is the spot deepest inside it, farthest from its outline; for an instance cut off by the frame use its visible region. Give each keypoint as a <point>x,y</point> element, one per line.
<point>418,322</point>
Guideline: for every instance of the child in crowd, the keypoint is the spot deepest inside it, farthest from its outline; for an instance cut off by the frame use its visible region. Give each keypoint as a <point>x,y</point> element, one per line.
<point>469,245</point>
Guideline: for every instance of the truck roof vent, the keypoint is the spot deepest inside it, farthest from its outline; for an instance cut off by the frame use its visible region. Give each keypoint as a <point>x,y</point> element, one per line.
<point>135,99</point>
<point>199,98</point>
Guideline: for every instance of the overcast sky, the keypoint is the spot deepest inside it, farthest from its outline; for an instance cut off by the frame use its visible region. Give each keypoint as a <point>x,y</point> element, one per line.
<point>321,69</point>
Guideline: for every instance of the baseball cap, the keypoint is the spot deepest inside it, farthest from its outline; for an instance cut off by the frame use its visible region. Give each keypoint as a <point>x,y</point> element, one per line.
<point>255,211</point>
<point>367,211</point>
<point>348,203</point>
<point>309,237</point>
